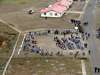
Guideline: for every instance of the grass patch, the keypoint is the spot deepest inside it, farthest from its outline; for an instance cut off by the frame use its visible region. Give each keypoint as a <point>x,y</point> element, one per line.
<point>40,2</point>
<point>2,64</point>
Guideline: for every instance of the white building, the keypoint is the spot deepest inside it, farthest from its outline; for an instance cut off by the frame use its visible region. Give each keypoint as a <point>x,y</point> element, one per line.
<point>57,9</point>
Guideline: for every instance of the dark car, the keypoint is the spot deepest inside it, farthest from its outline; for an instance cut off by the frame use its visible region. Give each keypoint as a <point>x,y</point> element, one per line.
<point>30,12</point>
<point>96,70</point>
<point>98,34</point>
<point>85,23</point>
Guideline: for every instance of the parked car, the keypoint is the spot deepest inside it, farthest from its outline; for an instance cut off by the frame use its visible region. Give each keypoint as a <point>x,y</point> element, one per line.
<point>96,70</point>
<point>98,33</point>
<point>85,23</point>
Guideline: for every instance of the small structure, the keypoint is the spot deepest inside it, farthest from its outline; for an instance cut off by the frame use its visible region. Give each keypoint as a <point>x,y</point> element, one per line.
<point>57,9</point>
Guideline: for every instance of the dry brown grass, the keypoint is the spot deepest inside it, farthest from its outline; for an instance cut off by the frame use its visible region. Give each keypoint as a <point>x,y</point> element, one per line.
<point>24,22</point>
<point>10,35</point>
<point>40,66</point>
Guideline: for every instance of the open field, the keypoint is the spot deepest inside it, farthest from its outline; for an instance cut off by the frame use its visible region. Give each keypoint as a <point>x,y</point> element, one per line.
<point>44,66</point>
<point>17,5</point>
<point>26,1</point>
<point>9,36</point>
<point>16,15</point>
<point>23,21</point>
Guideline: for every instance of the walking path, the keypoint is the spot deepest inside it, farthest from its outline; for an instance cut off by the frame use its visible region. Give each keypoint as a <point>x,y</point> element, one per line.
<point>10,26</point>
<point>21,45</point>
<point>83,67</point>
<point>6,66</point>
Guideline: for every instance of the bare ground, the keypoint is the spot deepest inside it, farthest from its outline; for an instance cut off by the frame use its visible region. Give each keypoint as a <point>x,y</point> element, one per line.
<point>44,66</point>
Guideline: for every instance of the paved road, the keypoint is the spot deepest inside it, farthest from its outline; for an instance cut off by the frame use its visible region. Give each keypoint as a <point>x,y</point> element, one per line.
<point>89,16</point>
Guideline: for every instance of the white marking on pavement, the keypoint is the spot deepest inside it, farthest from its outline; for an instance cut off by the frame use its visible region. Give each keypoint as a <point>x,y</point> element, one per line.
<point>76,12</point>
<point>84,7</point>
<point>87,1</point>
<point>6,66</point>
<point>83,67</point>
<point>21,44</point>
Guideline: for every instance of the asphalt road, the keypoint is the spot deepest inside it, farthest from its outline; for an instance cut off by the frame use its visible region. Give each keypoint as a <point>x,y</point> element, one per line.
<point>89,16</point>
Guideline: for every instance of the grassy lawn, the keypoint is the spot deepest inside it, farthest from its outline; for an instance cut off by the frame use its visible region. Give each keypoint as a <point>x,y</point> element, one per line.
<point>44,66</point>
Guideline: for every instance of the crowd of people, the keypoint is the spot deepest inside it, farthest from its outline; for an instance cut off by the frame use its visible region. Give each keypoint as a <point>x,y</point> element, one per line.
<point>30,42</point>
<point>71,42</point>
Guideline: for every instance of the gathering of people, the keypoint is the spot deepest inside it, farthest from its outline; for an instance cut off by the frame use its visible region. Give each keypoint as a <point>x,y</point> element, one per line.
<point>69,41</point>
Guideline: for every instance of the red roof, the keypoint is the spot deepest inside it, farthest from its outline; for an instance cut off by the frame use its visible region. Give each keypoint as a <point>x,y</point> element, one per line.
<point>59,6</point>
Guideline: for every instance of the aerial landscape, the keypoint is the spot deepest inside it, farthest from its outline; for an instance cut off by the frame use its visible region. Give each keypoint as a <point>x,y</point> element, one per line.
<point>49,37</point>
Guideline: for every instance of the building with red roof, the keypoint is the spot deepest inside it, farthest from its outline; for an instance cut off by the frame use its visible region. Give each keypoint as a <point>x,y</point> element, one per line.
<point>57,9</point>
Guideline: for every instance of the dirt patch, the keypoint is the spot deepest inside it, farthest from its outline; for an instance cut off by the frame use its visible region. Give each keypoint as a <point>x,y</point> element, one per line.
<point>24,21</point>
<point>7,6</point>
<point>2,41</point>
<point>44,66</point>
<point>9,35</point>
